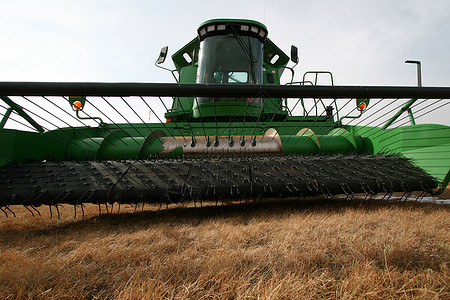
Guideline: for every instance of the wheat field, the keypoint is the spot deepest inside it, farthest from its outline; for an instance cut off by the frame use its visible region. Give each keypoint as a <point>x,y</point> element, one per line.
<point>289,250</point>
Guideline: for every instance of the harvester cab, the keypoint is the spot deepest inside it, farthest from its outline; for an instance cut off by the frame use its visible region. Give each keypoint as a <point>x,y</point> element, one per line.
<point>230,131</point>
<point>234,52</point>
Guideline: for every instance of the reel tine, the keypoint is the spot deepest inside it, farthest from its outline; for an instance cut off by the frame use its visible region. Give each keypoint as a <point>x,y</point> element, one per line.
<point>82,210</point>
<point>29,210</point>
<point>352,197</point>
<point>423,196</point>
<point>420,195</point>
<point>367,195</point>
<point>39,213</point>
<point>57,209</point>
<point>406,198</point>
<point>7,207</point>
<point>6,214</point>
<point>390,193</point>
<point>389,197</point>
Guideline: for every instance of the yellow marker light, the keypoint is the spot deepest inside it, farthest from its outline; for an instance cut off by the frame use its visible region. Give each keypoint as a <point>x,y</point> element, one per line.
<point>362,106</point>
<point>77,105</point>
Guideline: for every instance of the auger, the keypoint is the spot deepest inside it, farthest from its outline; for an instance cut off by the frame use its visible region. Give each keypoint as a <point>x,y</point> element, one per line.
<point>231,132</point>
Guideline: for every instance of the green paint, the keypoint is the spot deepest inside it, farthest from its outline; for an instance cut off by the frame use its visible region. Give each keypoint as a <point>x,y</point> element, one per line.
<point>428,146</point>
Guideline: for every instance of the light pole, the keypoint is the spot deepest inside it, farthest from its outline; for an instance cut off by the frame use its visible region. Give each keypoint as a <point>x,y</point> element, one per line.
<point>419,84</point>
<point>419,70</point>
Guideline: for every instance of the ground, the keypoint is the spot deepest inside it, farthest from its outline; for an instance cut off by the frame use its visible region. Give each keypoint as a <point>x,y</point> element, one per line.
<point>278,250</point>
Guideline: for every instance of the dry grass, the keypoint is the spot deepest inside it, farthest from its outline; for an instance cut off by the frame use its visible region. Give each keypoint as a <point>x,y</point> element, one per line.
<point>269,251</point>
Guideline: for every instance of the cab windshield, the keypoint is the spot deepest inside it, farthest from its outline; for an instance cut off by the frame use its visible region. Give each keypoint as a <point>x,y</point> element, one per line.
<point>230,59</point>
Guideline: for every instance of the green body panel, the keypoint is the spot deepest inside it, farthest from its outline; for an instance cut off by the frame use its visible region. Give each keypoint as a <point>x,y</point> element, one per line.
<point>226,109</point>
<point>179,59</point>
<point>270,51</point>
<point>427,145</point>
<point>187,73</point>
<point>434,160</point>
<point>20,146</point>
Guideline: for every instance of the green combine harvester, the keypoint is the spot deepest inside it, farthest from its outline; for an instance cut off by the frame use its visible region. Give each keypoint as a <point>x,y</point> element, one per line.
<point>230,131</point>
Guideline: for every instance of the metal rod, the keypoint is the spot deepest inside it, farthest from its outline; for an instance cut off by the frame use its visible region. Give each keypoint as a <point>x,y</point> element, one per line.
<point>78,118</point>
<point>380,133</point>
<point>184,114</point>
<point>27,126</point>
<point>65,130</point>
<point>374,120</point>
<point>22,113</point>
<point>170,114</point>
<point>430,109</point>
<point>143,122</point>
<point>201,119</point>
<point>60,119</point>
<point>253,135</point>
<point>293,132</point>
<point>406,107</point>
<point>216,90</point>
<point>372,108</point>
<point>6,117</point>
<point>123,117</point>
<point>109,130</point>
<point>160,121</point>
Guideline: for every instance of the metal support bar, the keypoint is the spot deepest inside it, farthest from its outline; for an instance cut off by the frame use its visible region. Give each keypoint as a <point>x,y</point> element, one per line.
<point>217,90</point>
<point>98,119</point>
<point>22,113</point>
<point>406,107</point>
<point>352,117</point>
<point>411,117</point>
<point>6,117</point>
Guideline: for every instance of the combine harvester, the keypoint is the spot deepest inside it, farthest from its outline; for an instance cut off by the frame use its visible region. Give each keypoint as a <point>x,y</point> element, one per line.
<point>232,132</point>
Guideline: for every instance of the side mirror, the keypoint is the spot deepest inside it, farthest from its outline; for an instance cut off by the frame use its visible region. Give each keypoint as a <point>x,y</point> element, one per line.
<point>361,104</point>
<point>162,55</point>
<point>294,54</point>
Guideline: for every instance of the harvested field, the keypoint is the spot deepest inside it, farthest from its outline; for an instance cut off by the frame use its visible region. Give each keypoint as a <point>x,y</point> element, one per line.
<point>289,250</point>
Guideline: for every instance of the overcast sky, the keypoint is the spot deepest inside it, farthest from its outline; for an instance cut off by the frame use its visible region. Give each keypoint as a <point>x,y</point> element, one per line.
<point>361,42</point>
